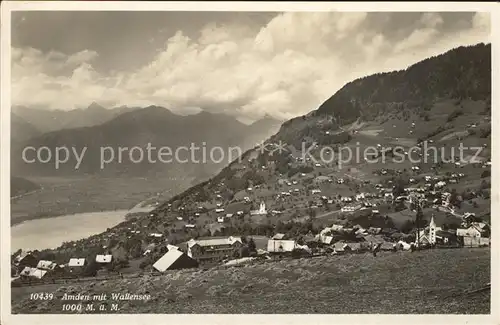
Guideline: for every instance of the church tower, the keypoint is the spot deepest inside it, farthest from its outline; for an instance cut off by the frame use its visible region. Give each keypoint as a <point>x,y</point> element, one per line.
<point>262,209</point>
<point>432,231</point>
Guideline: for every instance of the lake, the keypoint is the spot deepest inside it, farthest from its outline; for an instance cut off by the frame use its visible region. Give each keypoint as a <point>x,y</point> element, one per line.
<point>52,232</point>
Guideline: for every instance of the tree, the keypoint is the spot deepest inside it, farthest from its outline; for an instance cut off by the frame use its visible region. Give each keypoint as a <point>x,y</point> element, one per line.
<point>485,174</point>
<point>91,268</point>
<point>454,198</point>
<point>251,246</point>
<point>143,265</point>
<point>453,115</point>
<point>418,221</point>
<point>47,255</point>
<point>244,252</point>
<point>400,206</point>
<point>136,251</point>
<point>399,188</point>
<point>17,253</point>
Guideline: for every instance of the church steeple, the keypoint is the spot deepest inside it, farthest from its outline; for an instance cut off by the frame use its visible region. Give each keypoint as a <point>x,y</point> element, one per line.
<point>432,231</point>
<point>262,209</point>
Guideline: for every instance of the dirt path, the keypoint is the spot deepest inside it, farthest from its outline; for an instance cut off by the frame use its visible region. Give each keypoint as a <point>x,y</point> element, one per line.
<point>26,194</point>
<point>328,214</point>
<point>371,133</point>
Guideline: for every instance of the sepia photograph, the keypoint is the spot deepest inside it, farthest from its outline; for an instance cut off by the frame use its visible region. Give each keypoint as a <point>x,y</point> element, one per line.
<point>202,159</point>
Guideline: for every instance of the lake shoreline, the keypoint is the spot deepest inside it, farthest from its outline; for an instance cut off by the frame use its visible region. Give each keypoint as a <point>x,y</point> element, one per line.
<point>21,220</point>
<point>139,208</point>
<point>52,232</point>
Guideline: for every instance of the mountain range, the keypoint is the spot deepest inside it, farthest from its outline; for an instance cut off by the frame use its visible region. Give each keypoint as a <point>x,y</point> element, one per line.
<point>21,130</point>
<point>52,120</point>
<point>130,128</point>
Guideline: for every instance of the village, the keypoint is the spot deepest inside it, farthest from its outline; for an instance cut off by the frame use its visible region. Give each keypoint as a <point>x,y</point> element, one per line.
<point>274,206</point>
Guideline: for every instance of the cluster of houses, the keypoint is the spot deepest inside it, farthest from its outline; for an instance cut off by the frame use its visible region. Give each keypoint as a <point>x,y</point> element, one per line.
<point>26,265</point>
<point>213,250</point>
<point>432,190</point>
<point>216,250</point>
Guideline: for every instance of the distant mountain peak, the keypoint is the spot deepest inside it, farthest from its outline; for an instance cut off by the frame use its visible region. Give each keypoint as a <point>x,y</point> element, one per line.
<point>154,108</point>
<point>95,106</point>
<point>267,119</point>
<point>204,112</point>
<point>208,114</point>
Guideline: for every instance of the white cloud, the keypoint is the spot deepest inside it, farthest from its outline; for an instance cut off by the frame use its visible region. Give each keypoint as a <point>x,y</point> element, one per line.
<point>428,30</point>
<point>81,57</point>
<point>431,19</point>
<point>287,68</point>
<point>419,37</point>
<point>481,22</point>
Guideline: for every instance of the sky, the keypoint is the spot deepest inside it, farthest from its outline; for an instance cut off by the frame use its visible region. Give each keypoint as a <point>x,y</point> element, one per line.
<point>245,64</point>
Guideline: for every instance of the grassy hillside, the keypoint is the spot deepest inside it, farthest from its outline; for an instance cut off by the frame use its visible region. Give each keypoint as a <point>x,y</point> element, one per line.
<point>21,130</point>
<point>463,73</point>
<point>19,186</point>
<point>426,282</point>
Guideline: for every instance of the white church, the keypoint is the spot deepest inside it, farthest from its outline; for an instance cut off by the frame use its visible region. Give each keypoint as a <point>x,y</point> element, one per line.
<point>262,210</point>
<point>428,235</point>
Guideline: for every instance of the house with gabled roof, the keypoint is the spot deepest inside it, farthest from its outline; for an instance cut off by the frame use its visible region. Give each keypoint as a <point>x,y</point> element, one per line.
<point>280,246</point>
<point>26,271</point>
<point>477,234</point>
<point>46,265</point>
<point>25,259</point>
<point>213,249</point>
<point>103,258</point>
<point>33,272</point>
<point>278,236</point>
<point>174,259</point>
<point>373,240</point>
<point>335,227</point>
<point>374,230</point>
<point>353,247</point>
<point>327,240</point>
<point>170,247</point>
<point>37,273</point>
<point>388,246</point>
<point>76,262</point>
<point>340,247</point>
